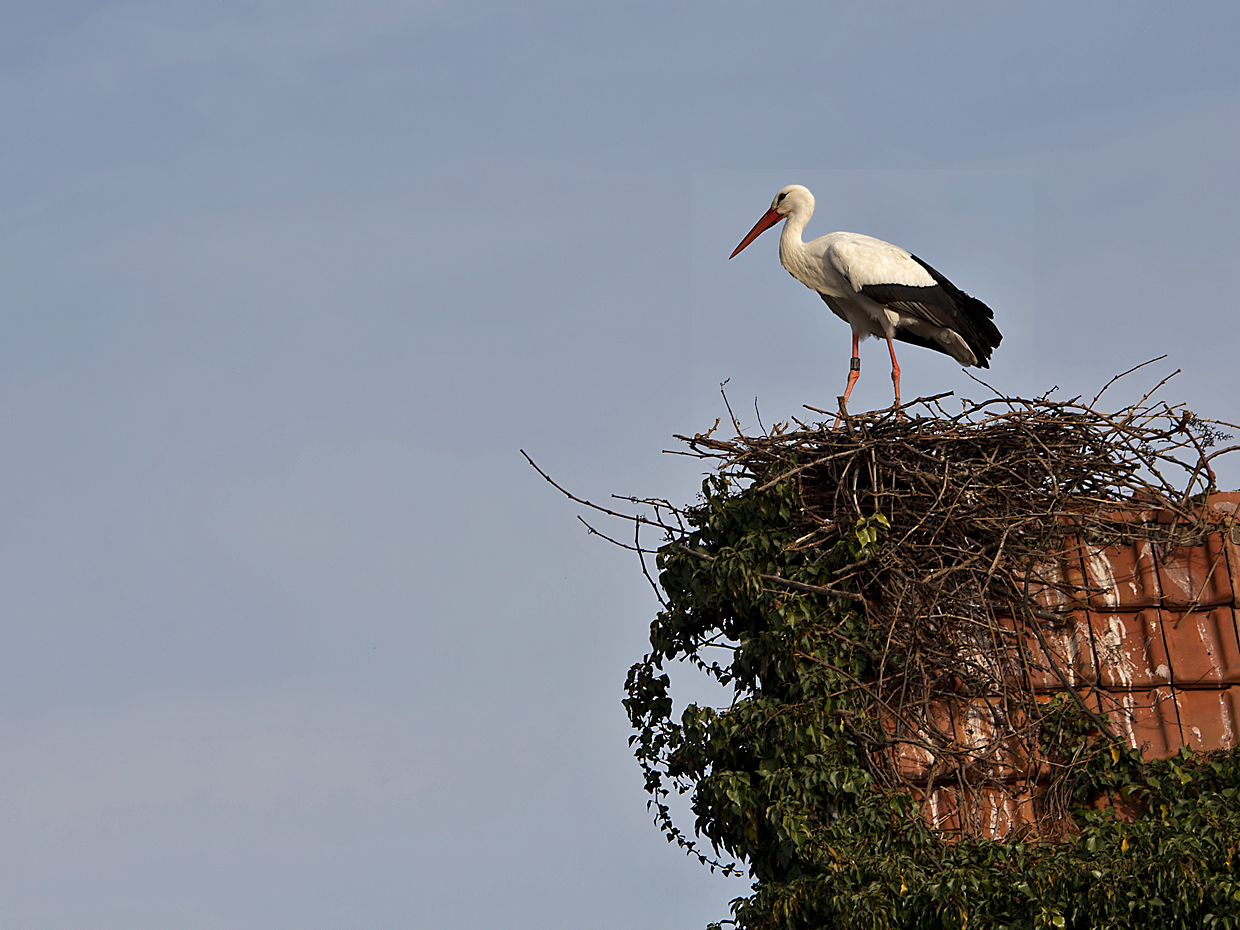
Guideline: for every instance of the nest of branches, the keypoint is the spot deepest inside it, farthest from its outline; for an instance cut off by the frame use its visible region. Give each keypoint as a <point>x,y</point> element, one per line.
<point>963,588</point>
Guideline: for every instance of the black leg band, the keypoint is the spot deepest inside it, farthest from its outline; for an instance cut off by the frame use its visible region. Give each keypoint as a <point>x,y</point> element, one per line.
<point>855,364</point>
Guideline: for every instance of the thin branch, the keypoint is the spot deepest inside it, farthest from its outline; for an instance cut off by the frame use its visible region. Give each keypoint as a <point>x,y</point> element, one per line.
<point>641,557</point>
<point>1123,374</point>
<point>585,503</point>
<point>604,536</point>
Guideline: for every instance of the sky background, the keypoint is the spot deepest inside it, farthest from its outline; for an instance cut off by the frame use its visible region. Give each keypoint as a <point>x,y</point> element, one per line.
<point>290,634</point>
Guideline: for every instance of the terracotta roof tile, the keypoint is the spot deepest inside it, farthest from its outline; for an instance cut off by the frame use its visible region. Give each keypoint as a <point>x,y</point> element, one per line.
<point>1203,647</point>
<point>1072,650</point>
<point>1208,719</point>
<point>1132,653</point>
<point>1195,576</point>
<point>1147,720</point>
<point>984,811</point>
<point>1122,577</point>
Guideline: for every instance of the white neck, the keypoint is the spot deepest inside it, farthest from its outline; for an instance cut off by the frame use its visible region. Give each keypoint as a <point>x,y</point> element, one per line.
<point>791,245</point>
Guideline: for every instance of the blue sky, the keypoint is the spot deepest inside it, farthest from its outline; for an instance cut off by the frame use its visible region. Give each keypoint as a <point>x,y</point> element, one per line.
<point>292,636</point>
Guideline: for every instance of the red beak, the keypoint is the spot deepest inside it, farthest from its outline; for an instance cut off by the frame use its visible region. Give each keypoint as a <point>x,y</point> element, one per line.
<point>769,219</point>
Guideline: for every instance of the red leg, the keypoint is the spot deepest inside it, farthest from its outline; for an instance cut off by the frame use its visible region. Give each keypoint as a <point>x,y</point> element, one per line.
<point>854,372</point>
<point>895,370</point>
<point>854,367</point>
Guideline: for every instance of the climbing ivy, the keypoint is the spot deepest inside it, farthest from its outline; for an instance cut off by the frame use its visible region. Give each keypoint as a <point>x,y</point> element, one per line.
<point>782,782</point>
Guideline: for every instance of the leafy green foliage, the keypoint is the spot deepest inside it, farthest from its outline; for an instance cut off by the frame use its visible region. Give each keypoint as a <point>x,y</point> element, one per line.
<point>783,782</point>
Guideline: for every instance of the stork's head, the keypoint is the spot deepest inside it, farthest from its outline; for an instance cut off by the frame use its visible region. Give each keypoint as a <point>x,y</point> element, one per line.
<point>792,199</point>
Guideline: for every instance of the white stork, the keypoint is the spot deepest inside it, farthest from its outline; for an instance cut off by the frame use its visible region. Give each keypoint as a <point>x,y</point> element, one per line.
<point>879,290</point>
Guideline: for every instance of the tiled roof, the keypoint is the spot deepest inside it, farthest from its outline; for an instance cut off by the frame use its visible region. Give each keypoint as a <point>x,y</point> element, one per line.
<point>1146,635</point>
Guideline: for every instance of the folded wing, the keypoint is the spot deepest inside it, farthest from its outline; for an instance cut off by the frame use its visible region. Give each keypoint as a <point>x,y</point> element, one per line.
<point>933,312</point>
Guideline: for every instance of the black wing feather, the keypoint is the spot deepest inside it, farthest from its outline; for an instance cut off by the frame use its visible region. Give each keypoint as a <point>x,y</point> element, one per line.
<point>941,304</point>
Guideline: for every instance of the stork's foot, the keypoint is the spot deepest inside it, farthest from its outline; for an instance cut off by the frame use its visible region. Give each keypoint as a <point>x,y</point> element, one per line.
<point>895,378</point>
<point>843,402</point>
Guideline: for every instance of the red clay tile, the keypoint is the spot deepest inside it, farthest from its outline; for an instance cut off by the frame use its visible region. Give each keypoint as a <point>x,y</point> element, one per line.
<point>1203,647</point>
<point>1209,719</point>
<point>1230,536</point>
<point>1071,649</point>
<point>1058,584</point>
<point>1231,548</point>
<point>993,813</point>
<point>1223,507</point>
<point>940,810</point>
<point>984,730</point>
<point>1007,660</point>
<point>1132,654</point>
<point>1146,720</point>
<point>975,733</point>
<point>1122,577</point>
<point>985,656</point>
<point>986,811</point>
<point>912,761</point>
<point>1195,576</point>
<point>1074,571</point>
<point>914,732</point>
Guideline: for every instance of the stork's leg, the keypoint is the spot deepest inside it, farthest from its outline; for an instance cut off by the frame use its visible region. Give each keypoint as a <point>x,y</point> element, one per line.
<point>854,372</point>
<point>895,371</point>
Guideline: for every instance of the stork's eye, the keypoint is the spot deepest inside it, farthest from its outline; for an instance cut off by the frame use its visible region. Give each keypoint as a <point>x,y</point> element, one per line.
<point>780,198</point>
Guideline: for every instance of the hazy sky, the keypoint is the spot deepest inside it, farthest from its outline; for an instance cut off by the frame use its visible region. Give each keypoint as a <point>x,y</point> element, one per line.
<point>290,635</point>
